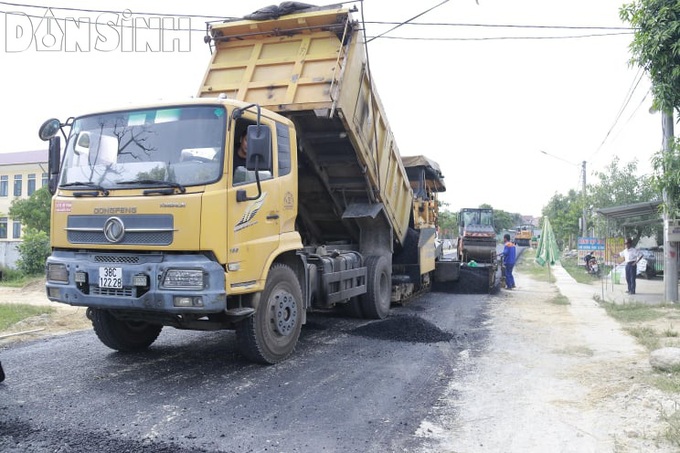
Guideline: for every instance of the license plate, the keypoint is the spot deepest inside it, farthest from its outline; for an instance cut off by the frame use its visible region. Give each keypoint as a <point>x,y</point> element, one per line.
<point>110,277</point>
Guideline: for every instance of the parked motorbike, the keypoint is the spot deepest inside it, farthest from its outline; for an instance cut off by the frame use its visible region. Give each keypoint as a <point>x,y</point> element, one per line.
<point>593,267</point>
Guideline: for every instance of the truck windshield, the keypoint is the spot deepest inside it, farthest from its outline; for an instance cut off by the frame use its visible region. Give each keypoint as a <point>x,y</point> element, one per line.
<point>478,217</point>
<point>181,145</point>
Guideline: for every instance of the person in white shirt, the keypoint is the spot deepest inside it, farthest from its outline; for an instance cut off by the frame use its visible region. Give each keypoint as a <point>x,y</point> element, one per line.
<point>631,257</point>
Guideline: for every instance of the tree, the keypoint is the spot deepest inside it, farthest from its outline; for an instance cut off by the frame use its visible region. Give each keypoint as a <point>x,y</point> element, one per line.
<point>656,49</point>
<point>448,224</point>
<point>620,186</point>
<point>505,220</point>
<point>564,211</point>
<point>33,212</point>
<point>34,250</point>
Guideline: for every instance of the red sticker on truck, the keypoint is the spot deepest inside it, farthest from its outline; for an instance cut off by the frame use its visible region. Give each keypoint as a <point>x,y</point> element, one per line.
<point>62,206</point>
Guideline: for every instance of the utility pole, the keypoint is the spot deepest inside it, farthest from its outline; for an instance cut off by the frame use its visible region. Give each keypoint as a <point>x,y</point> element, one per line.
<point>670,255</point>
<point>584,229</point>
<point>584,225</point>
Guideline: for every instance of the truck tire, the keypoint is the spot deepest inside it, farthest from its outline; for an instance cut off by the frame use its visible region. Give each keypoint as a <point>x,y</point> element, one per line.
<point>123,336</point>
<point>270,335</point>
<point>375,304</point>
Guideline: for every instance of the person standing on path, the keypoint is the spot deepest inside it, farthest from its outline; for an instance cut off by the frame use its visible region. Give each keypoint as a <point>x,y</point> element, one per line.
<point>509,256</point>
<point>631,257</point>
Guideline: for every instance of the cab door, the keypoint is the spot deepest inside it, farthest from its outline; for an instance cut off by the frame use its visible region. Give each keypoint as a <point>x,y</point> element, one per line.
<point>253,223</point>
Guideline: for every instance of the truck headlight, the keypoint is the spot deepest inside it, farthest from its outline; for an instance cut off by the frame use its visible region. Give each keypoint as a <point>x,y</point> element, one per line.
<point>57,273</point>
<point>183,279</point>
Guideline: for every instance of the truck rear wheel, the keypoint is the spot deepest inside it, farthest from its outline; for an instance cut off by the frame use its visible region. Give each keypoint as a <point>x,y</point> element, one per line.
<point>270,335</point>
<point>375,304</point>
<point>123,336</point>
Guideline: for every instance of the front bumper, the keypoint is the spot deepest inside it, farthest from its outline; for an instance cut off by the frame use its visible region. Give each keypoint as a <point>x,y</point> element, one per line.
<point>78,285</point>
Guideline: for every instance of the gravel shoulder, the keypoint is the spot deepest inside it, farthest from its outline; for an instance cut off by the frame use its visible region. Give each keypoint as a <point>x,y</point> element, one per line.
<point>555,377</point>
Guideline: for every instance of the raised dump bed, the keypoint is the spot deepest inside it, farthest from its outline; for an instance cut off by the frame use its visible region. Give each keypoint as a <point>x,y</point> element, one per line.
<point>311,67</point>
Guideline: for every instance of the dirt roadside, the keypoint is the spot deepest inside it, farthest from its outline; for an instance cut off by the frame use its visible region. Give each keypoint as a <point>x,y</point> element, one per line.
<point>555,378</point>
<point>64,319</point>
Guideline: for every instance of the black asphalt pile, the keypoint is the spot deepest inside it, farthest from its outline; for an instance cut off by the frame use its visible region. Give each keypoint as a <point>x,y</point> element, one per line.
<point>404,328</point>
<point>19,437</point>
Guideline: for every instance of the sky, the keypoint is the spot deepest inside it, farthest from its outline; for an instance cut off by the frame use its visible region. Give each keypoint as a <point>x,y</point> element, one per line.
<point>509,97</point>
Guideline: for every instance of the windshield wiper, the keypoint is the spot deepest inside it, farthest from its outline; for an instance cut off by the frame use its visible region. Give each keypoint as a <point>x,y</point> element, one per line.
<point>104,191</point>
<point>155,182</point>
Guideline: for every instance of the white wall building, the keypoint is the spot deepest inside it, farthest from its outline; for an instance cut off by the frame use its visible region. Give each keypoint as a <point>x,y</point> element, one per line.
<point>21,174</point>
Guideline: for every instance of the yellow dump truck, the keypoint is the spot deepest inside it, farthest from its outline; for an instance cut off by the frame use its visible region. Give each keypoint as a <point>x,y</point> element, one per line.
<point>157,221</point>
<point>524,235</point>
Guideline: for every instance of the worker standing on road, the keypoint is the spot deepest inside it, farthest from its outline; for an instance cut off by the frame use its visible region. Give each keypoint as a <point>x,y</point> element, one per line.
<point>509,256</point>
<point>631,257</point>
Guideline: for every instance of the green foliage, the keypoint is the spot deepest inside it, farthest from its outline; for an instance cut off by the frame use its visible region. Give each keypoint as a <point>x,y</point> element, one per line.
<point>34,250</point>
<point>666,176</point>
<point>656,47</point>
<point>33,212</point>
<point>505,221</point>
<point>615,187</point>
<point>448,224</point>
<point>564,212</point>
<point>14,278</point>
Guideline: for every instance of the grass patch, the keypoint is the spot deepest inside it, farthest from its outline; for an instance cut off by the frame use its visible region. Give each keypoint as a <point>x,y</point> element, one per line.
<point>527,264</point>
<point>14,279</point>
<point>670,332</point>
<point>667,382</point>
<point>11,314</point>
<point>672,431</point>
<point>633,312</point>
<point>560,300</point>
<point>578,273</point>
<point>646,336</point>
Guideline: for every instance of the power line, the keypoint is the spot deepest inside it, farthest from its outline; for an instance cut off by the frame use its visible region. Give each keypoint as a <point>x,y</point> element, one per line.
<point>381,35</point>
<point>501,38</point>
<point>407,21</point>
<point>455,24</point>
<point>623,107</point>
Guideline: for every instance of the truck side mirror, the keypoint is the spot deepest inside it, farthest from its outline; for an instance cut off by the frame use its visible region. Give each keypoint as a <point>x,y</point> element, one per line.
<point>53,163</point>
<point>259,148</point>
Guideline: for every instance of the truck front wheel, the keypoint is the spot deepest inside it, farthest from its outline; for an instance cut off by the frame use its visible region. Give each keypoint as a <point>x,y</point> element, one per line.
<point>123,336</point>
<point>375,304</point>
<point>270,335</point>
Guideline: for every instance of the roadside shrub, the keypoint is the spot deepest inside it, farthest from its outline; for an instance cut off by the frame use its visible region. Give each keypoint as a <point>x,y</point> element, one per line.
<point>34,251</point>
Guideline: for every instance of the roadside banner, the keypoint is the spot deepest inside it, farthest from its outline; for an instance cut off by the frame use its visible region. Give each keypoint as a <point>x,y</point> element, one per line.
<point>613,247</point>
<point>594,246</point>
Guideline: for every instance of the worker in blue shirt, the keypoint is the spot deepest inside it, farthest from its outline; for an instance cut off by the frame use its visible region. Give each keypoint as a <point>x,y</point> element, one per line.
<point>509,256</point>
